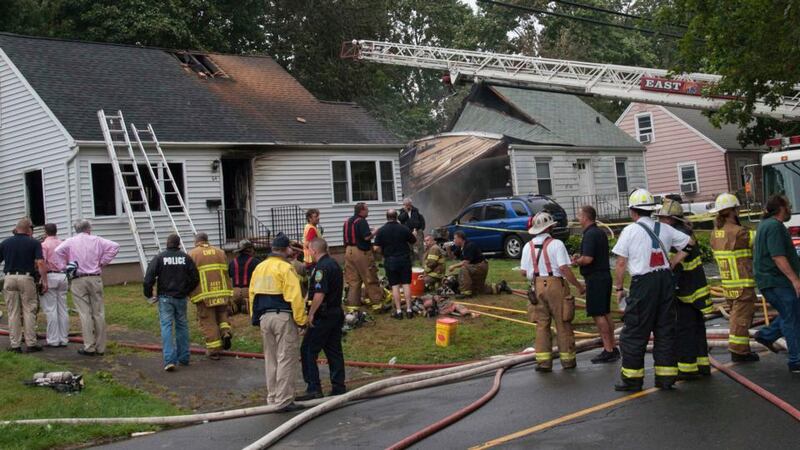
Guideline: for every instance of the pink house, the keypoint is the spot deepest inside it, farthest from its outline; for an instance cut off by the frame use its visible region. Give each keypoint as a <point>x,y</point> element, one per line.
<point>686,154</point>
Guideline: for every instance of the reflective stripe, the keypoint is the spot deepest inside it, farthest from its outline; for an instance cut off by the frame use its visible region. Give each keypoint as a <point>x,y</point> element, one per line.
<point>566,356</point>
<point>744,253</point>
<point>687,367</point>
<point>434,275</point>
<point>466,292</point>
<point>224,325</point>
<point>632,373</point>
<point>434,257</point>
<point>697,295</point>
<point>214,344</point>
<point>666,371</point>
<point>703,361</point>
<point>739,340</point>
<point>740,283</point>
<point>544,356</point>
<point>693,264</point>
<point>707,310</point>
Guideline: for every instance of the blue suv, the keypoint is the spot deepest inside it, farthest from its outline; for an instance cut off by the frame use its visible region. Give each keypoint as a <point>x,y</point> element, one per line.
<point>506,219</point>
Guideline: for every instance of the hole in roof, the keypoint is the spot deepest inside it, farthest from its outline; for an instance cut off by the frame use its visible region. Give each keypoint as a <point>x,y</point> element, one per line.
<point>201,64</point>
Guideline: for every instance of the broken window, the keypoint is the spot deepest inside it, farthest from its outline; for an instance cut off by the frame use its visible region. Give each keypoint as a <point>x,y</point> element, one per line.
<point>103,190</point>
<point>173,203</point>
<point>148,184</point>
<point>545,184</point>
<point>200,64</point>
<point>363,181</point>
<point>34,196</point>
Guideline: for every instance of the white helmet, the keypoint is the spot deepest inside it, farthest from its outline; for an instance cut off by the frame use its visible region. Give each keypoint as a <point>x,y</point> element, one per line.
<point>642,199</point>
<point>725,201</point>
<point>540,223</point>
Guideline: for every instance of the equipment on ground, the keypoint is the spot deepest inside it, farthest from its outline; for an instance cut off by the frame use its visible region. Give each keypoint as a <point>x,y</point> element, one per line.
<point>355,319</point>
<point>60,381</point>
<point>128,167</point>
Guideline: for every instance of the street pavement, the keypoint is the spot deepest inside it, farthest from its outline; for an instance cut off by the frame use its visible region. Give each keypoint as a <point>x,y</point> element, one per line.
<point>713,412</point>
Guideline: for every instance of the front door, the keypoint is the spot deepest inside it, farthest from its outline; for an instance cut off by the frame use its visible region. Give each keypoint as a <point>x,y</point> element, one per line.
<point>237,177</point>
<point>583,171</point>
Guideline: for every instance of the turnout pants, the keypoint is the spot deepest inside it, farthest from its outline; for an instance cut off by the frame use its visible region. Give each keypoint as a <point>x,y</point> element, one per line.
<point>650,309</point>
<point>360,268</point>
<point>325,335</point>
<point>239,303</point>
<point>556,304</point>
<point>472,279</point>
<point>432,282</point>
<point>741,319</point>
<point>691,344</point>
<point>281,356</point>
<point>214,325</point>
<point>54,304</point>
<point>19,291</point>
<point>87,294</point>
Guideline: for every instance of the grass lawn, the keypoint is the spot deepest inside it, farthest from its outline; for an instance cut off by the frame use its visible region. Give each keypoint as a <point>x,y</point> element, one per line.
<point>18,401</point>
<point>410,341</point>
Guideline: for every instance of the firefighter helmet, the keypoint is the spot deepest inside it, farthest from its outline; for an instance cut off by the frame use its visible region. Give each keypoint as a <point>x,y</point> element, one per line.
<point>725,201</point>
<point>540,223</point>
<point>642,199</point>
<point>671,208</point>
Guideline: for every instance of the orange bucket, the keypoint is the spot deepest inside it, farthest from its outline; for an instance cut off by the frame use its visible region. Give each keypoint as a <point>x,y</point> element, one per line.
<point>417,282</point>
<point>446,331</point>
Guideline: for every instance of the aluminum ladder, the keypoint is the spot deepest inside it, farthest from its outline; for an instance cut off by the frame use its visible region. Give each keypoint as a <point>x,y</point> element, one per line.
<point>129,183</point>
<point>170,186</point>
<point>576,77</point>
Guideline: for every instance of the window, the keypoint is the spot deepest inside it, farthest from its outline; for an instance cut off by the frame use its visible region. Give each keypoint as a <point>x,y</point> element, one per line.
<point>644,128</point>
<point>103,190</point>
<point>363,181</point>
<point>149,185</point>
<point>687,175</point>
<point>740,170</point>
<point>169,192</point>
<point>474,214</point>
<point>543,180</point>
<point>387,182</point>
<point>622,176</point>
<point>34,194</point>
<point>494,212</point>
<point>519,209</point>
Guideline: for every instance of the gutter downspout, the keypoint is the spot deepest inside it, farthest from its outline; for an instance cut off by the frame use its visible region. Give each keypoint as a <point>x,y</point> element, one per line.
<point>75,149</point>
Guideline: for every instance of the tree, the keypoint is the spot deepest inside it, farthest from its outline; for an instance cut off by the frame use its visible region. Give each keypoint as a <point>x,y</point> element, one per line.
<point>753,44</point>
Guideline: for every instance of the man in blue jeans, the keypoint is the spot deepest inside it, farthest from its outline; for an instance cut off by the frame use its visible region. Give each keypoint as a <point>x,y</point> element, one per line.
<point>176,276</point>
<point>776,267</point>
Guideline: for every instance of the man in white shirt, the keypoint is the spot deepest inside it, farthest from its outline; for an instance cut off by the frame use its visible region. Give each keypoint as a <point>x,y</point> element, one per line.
<point>546,263</point>
<point>642,248</point>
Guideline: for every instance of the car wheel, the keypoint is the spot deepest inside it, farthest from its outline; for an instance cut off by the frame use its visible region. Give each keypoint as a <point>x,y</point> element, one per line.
<point>512,246</point>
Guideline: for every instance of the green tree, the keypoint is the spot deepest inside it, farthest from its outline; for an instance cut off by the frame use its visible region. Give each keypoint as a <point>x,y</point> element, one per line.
<point>753,44</point>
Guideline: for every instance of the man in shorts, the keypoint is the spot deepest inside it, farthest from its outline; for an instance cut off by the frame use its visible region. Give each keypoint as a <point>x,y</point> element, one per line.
<point>596,271</point>
<point>395,241</point>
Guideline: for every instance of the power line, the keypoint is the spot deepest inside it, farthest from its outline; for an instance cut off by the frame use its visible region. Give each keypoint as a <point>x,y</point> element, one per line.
<point>583,19</point>
<point>609,11</point>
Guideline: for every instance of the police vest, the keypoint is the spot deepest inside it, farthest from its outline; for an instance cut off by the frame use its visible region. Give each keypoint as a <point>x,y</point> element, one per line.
<point>733,250</point>
<point>691,284</point>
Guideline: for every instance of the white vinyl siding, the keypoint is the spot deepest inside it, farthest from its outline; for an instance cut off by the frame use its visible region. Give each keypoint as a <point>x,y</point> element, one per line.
<point>305,178</point>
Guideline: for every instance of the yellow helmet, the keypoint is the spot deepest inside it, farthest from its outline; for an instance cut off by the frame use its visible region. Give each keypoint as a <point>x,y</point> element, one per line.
<point>642,199</point>
<point>671,208</point>
<point>725,201</point>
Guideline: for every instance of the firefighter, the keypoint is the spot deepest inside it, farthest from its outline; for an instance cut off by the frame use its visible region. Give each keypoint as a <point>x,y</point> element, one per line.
<point>693,299</point>
<point>473,269</point>
<point>212,295</point>
<point>310,232</point>
<point>642,250</point>
<point>545,262</point>
<point>733,250</point>
<point>434,264</point>
<point>240,270</point>
<point>359,260</point>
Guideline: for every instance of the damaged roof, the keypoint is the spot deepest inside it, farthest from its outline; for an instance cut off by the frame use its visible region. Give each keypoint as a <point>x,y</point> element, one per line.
<point>258,101</point>
<point>540,117</point>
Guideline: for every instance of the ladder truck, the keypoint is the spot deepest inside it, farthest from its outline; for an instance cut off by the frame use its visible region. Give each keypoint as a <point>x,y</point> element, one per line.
<point>781,167</point>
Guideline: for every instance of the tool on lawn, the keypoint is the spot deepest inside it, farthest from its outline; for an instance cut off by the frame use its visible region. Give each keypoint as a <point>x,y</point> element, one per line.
<point>355,319</point>
<point>59,381</point>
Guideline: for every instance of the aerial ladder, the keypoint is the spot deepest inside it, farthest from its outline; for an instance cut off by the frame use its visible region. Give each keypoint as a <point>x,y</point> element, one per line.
<point>629,83</point>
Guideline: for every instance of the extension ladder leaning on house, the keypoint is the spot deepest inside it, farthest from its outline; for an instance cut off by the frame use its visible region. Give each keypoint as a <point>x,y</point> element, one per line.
<point>127,164</point>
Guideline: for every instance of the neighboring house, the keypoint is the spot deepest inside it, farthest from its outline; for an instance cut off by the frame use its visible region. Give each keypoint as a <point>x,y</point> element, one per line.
<point>687,154</point>
<point>249,147</point>
<point>509,141</point>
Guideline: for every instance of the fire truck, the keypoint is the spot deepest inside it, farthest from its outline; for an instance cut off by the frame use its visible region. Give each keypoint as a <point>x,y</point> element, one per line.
<point>781,173</point>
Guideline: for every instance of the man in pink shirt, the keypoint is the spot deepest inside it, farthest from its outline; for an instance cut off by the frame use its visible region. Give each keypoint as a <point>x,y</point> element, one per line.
<point>91,253</point>
<point>54,301</point>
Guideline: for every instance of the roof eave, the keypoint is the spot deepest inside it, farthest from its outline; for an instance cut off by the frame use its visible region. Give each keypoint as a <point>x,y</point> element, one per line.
<point>172,144</point>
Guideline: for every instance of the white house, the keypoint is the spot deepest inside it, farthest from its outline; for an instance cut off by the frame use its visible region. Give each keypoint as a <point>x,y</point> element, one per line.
<point>249,147</point>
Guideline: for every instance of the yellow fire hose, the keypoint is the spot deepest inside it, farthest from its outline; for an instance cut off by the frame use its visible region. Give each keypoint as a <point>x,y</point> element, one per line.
<point>476,305</point>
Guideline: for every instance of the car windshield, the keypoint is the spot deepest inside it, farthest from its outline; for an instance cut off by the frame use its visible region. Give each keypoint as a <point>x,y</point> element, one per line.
<point>784,179</point>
